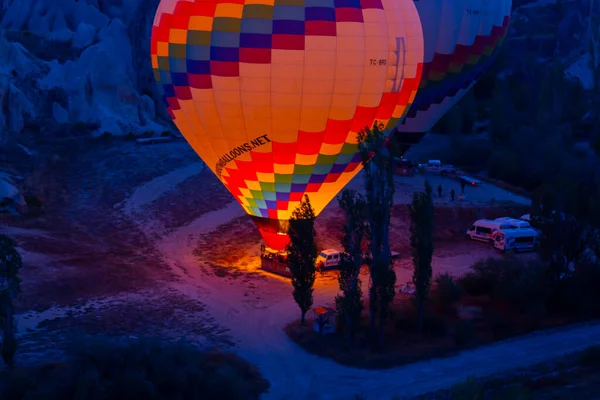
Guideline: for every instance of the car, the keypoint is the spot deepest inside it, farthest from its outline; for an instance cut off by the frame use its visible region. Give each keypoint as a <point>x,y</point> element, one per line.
<point>329,258</point>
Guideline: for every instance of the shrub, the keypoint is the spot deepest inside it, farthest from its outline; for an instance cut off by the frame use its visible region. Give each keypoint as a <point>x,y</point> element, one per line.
<point>110,369</point>
<point>464,333</point>
<point>447,289</point>
<point>590,357</point>
<point>501,327</point>
<point>475,284</point>
<point>435,326</point>
<point>513,392</point>
<point>580,292</point>
<point>470,389</point>
<point>510,281</point>
<point>432,326</point>
<point>406,324</point>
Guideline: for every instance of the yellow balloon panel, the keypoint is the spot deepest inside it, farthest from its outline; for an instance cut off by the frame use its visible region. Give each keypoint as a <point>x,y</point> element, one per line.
<point>271,93</point>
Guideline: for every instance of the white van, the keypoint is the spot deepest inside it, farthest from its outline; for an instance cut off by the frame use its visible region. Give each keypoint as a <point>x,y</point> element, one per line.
<point>516,239</point>
<point>484,229</point>
<point>516,223</point>
<point>329,258</point>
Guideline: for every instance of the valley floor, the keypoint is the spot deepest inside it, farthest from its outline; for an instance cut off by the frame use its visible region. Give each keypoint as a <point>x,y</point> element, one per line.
<point>147,242</point>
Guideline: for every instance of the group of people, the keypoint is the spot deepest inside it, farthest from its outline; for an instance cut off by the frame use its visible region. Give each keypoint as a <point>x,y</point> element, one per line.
<point>267,255</point>
<point>452,192</point>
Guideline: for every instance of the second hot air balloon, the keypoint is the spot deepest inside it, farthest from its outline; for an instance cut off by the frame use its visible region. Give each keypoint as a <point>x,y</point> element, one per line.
<point>271,93</point>
<point>461,38</point>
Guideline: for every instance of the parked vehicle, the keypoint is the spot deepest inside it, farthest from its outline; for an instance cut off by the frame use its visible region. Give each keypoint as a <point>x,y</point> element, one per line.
<point>469,180</point>
<point>516,239</point>
<point>515,223</point>
<point>329,258</point>
<point>404,167</point>
<point>484,229</point>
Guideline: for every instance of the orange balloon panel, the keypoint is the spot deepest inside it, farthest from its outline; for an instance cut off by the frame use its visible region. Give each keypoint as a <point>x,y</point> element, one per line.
<point>271,93</point>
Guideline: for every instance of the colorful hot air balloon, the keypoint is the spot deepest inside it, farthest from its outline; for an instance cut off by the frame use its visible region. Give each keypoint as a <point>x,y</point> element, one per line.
<point>271,93</point>
<point>461,38</point>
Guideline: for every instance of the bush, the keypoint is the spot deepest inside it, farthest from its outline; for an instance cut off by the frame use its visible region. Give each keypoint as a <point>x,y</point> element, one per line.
<point>110,369</point>
<point>510,281</point>
<point>470,389</point>
<point>475,284</point>
<point>501,326</point>
<point>464,333</point>
<point>580,294</point>
<point>590,357</point>
<point>435,326</point>
<point>432,326</point>
<point>447,289</point>
<point>513,392</point>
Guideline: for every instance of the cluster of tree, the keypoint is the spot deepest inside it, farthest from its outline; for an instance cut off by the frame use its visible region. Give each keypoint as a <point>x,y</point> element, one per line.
<point>542,123</point>
<point>366,237</point>
<point>108,369</point>
<point>10,286</point>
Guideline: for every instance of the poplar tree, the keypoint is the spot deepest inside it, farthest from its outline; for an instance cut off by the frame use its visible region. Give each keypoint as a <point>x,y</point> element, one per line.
<point>421,240</point>
<point>378,163</point>
<point>349,302</point>
<point>302,253</point>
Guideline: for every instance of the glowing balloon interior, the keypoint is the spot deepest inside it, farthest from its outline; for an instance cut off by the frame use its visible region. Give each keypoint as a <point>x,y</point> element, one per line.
<point>271,93</point>
<point>462,37</point>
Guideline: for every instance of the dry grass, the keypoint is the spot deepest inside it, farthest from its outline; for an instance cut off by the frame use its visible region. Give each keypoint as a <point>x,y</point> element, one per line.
<point>194,197</point>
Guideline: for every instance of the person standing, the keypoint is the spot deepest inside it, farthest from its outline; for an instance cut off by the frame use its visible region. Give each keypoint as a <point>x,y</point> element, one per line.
<point>452,193</point>
<point>440,190</point>
<point>462,187</point>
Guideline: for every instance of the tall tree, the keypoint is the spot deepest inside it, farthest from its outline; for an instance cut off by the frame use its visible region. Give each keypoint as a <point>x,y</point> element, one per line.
<point>378,164</point>
<point>349,302</point>
<point>10,286</point>
<point>421,240</point>
<point>302,253</point>
<point>563,236</point>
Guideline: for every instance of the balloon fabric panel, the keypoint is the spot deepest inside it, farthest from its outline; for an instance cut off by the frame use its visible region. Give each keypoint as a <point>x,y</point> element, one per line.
<point>271,93</point>
<point>449,74</point>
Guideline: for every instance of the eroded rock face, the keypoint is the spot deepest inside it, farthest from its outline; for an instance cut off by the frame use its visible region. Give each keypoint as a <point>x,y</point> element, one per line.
<point>11,199</point>
<point>106,81</point>
<point>16,69</point>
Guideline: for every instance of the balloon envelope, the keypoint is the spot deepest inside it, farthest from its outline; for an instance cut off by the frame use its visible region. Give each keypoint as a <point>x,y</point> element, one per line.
<point>271,93</point>
<point>461,38</point>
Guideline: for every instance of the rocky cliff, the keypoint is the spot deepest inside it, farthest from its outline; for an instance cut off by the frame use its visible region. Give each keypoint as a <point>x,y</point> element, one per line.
<point>66,62</point>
